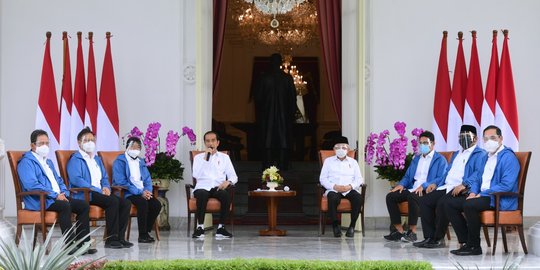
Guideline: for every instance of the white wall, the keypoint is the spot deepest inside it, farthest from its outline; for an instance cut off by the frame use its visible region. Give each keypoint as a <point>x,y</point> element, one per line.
<point>404,40</point>
<point>148,55</point>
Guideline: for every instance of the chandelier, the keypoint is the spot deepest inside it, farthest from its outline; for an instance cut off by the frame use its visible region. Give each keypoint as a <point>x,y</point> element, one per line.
<point>298,26</point>
<point>274,7</point>
<point>299,83</point>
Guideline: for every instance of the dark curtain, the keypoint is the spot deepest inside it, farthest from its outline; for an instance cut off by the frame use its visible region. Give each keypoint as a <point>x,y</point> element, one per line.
<point>330,30</point>
<point>220,17</point>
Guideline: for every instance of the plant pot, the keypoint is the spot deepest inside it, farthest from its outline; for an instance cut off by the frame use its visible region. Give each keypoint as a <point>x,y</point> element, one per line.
<point>272,186</point>
<point>163,184</point>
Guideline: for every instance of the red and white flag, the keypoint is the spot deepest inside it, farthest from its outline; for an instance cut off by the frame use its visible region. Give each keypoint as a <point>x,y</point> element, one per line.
<point>457,103</point>
<point>79,97</point>
<point>47,115</point>
<point>506,114</point>
<point>474,95</point>
<point>442,98</point>
<point>490,99</point>
<point>108,110</point>
<point>66,100</point>
<point>90,118</point>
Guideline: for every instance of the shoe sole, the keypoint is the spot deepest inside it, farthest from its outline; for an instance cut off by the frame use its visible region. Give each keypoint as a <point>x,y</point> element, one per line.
<point>222,236</point>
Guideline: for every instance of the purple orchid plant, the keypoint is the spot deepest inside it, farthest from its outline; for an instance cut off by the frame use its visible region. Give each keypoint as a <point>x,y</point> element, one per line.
<point>392,162</point>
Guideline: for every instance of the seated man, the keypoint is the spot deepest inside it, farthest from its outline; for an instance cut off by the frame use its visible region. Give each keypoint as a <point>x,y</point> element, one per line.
<point>85,170</point>
<point>500,175</point>
<point>426,168</point>
<point>36,172</point>
<point>130,172</point>
<point>214,173</point>
<point>341,177</point>
<point>464,171</point>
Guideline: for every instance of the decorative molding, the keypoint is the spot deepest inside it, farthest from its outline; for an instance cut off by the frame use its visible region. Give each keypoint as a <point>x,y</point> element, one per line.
<point>190,74</point>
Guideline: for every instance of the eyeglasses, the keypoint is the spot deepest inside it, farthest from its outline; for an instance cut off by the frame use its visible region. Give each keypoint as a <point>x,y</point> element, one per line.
<point>424,142</point>
<point>344,147</point>
<point>42,143</point>
<point>493,138</point>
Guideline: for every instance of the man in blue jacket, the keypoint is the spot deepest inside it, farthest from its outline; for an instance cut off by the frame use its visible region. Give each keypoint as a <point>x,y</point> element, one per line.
<point>426,168</point>
<point>500,175</point>
<point>130,172</point>
<point>36,172</point>
<point>85,170</point>
<point>464,171</point>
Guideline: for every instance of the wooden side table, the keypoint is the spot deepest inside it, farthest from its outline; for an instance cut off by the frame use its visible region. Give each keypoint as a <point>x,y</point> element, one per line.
<point>272,203</point>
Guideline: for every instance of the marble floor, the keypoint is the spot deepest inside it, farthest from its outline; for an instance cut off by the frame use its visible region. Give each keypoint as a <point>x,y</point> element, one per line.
<point>302,242</point>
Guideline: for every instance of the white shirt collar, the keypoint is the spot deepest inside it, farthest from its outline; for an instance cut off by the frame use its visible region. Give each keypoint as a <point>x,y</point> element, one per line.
<point>85,155</point>
<point>470,149</point>
<point>41,159</point>
<point>430,155</point>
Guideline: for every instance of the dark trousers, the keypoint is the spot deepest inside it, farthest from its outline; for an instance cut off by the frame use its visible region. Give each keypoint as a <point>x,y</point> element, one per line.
<point>202,197</point>
<point>64,210</point>
<point>428,204</point>
<point>334,198</point>
<point>446,202</point>
<point>472,209</point>
<point>147,212</point>
<point>454,212</point>
<point>392,201</point>
<point>116,214</point>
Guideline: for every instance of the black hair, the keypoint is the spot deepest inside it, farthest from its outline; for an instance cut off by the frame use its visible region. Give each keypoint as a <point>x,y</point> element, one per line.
<point>211,132</point>
<point>496,128</point>
<point>83,132</point>
<point>133,139</point>
<point>36,133</point>
<point>428,135</point>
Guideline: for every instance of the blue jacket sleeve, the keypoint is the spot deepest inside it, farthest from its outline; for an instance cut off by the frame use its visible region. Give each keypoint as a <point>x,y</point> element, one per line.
<point>104,176</point>
<point>408,179</point>
<point>474,170</point>
<point>146,178</point>
<point>30,180</point>
<point>75,169</point>
<point>59,179</point>
<point>121,178</point>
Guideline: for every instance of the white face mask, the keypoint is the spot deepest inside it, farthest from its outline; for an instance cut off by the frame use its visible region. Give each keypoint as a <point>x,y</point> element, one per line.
<point>341,153</point>
<point>133,153</point>
<point>491,146</point>
<point>43,150</point>
<point>89,147</point>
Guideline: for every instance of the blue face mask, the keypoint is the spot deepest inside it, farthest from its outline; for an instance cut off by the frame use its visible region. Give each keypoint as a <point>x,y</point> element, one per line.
<point>424,149</point>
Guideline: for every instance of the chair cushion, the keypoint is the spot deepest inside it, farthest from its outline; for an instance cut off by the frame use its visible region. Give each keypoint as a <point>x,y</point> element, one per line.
<point>403,208</point>
<point>96,212</point>
<point>505,217</point>
<point>213,205</point>
<point>32,217</point>
<point>344,205</point>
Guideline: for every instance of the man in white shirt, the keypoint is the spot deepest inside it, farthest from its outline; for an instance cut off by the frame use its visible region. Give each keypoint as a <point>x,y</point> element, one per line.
<point>36,172</point>
<point>426,168</point>
<point>86,170</point>
<point>341,177</point>
<point>500,175</point>
<point>464,171</point>
<point>214,173</point>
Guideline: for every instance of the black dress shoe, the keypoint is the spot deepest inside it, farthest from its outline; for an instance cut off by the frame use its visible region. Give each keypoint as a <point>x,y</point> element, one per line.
<point>421,243</point>
<point>337,231</point>
<point>434,244</point>
<point>463,247</point>
<point>350,232</point>
<point>113,244</point>
<point>126,244</point>
<point>91,251</point>
<point>145,239</point>
<point>468,251</point>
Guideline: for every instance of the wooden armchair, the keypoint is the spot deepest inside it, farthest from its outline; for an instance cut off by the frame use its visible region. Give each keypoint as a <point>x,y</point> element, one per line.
<point>345,205</point>
<point>213,205</point>
<point>39,219</point>
<point>404,206</point>
<point>108,158</point>
<point>499,218</point>
<point>96,213</point>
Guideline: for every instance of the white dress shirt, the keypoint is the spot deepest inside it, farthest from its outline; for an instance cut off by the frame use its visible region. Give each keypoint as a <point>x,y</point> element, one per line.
<point>422,170</point>
<point>93,167</point>
<point>456,173</point>
<point>212,173</point>
<point>489,169</point>
<point>48,171</point>
<point>340,172</point>
<point>134,172</point>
